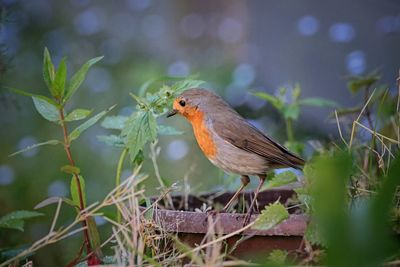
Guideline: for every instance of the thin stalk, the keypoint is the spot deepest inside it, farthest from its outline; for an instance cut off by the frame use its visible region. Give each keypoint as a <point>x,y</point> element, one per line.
<point>371,126</point>
<point>153,155</point>
<point>118,177</point>
<point>67,149</point>
<point>289,130</point>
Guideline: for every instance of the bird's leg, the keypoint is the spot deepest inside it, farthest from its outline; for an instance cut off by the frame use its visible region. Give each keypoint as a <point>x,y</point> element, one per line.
<point>245,181</point>
<point>250,211</point>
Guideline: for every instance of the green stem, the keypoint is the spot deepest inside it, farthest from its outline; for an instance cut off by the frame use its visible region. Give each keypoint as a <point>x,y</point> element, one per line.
<point>289,130</point>
<point>118,177</point>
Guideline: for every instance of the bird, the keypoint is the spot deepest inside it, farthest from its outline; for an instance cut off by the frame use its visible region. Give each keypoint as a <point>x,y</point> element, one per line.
<point>230,142</point>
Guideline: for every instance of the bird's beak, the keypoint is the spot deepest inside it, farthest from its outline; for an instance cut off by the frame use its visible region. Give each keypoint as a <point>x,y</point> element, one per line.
<point>172,113</point>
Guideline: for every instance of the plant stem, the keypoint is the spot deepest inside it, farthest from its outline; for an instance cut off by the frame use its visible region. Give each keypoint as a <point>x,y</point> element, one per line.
<point>118,177</point>
<point>289,130</point>
<point>371,126</point>
<point>80,194</point>
<point>153,155</point>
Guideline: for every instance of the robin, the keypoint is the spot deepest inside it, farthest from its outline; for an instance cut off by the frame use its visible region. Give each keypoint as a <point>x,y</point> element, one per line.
<point>230,142</point>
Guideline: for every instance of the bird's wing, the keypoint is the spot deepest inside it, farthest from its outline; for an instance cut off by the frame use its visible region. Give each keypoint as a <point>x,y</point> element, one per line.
<point>243,135</point>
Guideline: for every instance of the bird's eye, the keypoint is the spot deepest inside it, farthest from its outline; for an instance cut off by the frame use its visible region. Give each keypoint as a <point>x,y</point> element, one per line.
<point>182,103</point>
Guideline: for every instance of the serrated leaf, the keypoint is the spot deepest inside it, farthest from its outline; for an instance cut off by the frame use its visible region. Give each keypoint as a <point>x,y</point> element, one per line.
<point>140,100</point>
<point>48,71</point>
<point>70,169</point>
<point>84,126</point>
<point>278,257</point>
<point>271,216</point>
<point>280,179</point>
<point>168,130</point>
<point>78,114</point>
<point>275,101</point>
<point>112,140</point>
<point>60,78</point>
<point>140,128</point>
<point>15,220</point>
<point>46,109</point>
<point>312,234</point>
<point>79,77</point>
<point>114,122</point>
<point>75,191</point>
<point>318,102</point>
<point>50,142</point>
<point>53,200</point>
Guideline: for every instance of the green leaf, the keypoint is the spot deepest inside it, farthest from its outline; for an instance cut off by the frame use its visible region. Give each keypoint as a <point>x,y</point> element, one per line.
<point>48,72</point>
<point>78,114</point>
<point>84,126</point>
<point>291,112</point>
<point>114,122</point>
<point>280,179</point>
<point>75,191</point>
<point>23,93</point>
<point>140,128</point>
<point>59,81</point>
<point>46,109</point>
<point>312,234</point>
<point>70,169</point>
<point>168,130</point>
<point>112,140</point>
<point>79,77</point>
<point>271,216</point>
<point>50,142</point>
<point>142,102</point>
<point>318,102</point>
<point>275,101</point>
<point>15,220</point>
<point>94,236</point>
<point>53,200</point>
<point>278,257</point>
<point>355,84</point>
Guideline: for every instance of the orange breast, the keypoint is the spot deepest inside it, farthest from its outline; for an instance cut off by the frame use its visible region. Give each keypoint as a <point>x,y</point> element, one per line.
<point>202,134</point>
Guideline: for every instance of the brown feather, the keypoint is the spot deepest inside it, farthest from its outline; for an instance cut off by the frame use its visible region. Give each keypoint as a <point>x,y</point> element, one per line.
<point>247,137</point>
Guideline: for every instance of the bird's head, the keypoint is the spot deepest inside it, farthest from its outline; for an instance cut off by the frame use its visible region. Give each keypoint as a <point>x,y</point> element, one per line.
<point>193,103</point>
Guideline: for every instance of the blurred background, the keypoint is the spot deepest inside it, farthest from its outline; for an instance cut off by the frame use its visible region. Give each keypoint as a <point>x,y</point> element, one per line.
<point>235,46</point>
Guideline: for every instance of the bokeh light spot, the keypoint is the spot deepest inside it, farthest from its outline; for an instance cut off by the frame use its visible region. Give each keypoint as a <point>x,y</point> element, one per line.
<point>89,21</point>
<point>342,32</point>
<point>308,25</point>
<point>99,80</point>
<point>179,69</point>
<point>243,75</point>
<point>57,188</point>
<point>355,62</point>
<point>230,30</point>
<point>6,175</point>
<point>26,142</point>
<point>177,149</point>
